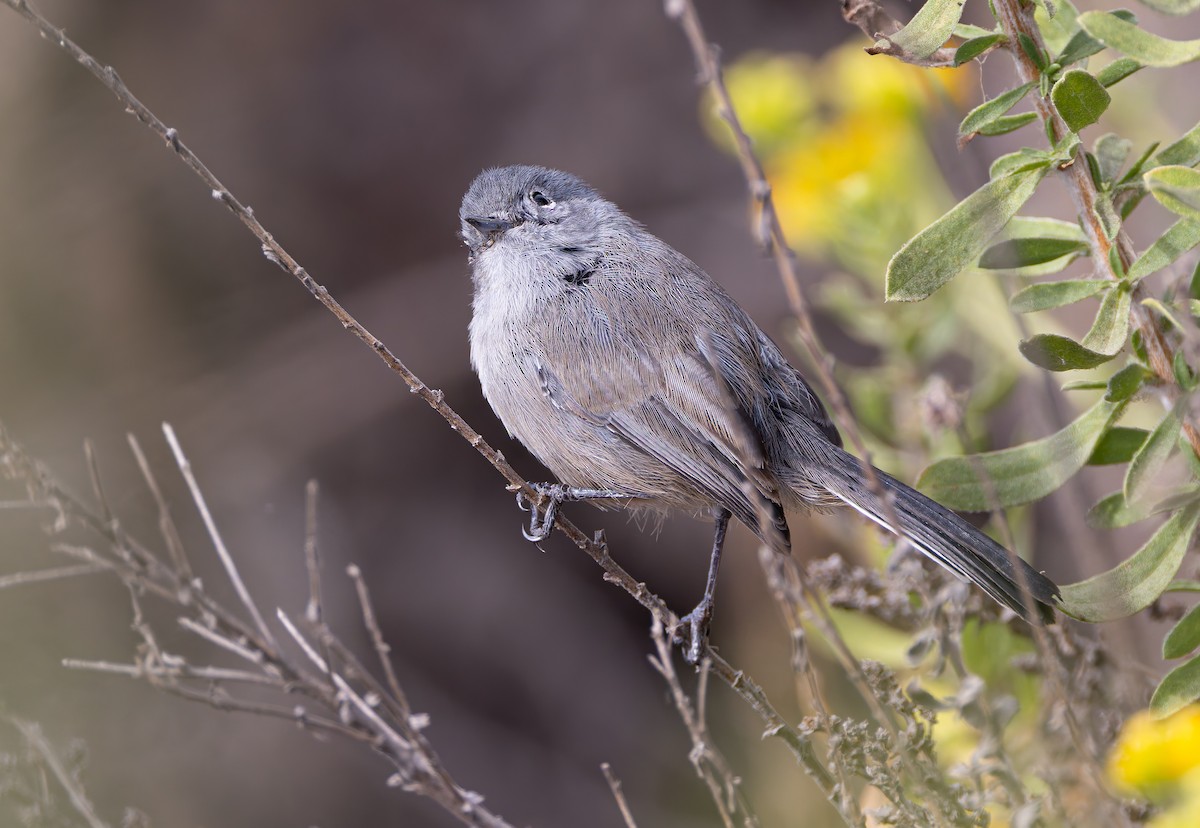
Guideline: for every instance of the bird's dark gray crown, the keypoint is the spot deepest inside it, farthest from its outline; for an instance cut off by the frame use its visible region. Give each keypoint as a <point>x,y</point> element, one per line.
<point>499,189</point>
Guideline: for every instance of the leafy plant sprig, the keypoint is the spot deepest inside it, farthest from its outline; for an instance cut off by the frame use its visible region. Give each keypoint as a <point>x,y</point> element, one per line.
<point>1051,42</point>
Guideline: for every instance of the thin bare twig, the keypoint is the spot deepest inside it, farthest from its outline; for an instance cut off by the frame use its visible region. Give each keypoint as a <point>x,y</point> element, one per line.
<point>312,560</point>
<point>724,787</point>
<point>166,523</point>
<point>32,734</point>
<point>382,650</point>
<point>176,671</point>
<point>23,578</point>
<point>239,649</point>
<point>185,468</point>
<point>614,785</point>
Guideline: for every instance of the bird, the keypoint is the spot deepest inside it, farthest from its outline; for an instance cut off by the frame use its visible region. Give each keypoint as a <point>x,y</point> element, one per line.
<point>630,374</point>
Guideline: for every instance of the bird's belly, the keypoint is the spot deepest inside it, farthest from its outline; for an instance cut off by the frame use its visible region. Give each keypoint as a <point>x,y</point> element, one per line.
<point>580,451</point>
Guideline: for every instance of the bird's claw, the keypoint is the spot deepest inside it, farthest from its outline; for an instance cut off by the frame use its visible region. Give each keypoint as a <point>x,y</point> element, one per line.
<point>696,625</point>
<point>540,526</point>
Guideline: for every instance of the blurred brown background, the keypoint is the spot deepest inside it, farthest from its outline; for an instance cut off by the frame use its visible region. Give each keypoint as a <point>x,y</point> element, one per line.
<point>128,298</point>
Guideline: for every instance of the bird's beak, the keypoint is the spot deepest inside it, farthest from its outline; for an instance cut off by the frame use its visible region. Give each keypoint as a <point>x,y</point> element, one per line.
<point>480,233</point>
<point>489,225</point>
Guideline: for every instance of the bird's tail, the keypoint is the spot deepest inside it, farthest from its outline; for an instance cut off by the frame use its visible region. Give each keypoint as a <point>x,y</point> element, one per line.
<point>943,536</point>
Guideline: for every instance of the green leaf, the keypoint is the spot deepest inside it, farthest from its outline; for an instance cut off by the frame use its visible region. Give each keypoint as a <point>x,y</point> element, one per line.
<point>1020,474</point>
<point>1179,238</point>
<point>1056,294</point>
<point>1085,385</point>
<point>1136,582</point>
<point>1185,152</point>
<point>977,46</point>
<point>1118,445</point>
<point>1111,151</point>
<point>1045,228</point>
<point>929,28</point>
<point>1019,160</point>
<point>1184,636</point>
<point>1026,252</point>
<point>1173,6</point>
<point>1080,98</point>
<point>1139,166</point>
<point>1163,311</point>
<point>1007,123</point>
<point>1148,462</point>
<point>1060,353</point>
<point>1117,71</point>
<point>1112,512</point>
<point>1110,221</point>
<point>1031,50</point>
<point>1048,6</point>
<point>1177,690</point>
<point>943,249</point>
<point>1111,328</point>
<point>1137,43</point>
<point>1183,585</point>
<point>1126,382</point>
<point>988,111</point>
<point>967,31</point>
<point>1059,29</point>
<point>1177,188</point>
<point>1081,45</point>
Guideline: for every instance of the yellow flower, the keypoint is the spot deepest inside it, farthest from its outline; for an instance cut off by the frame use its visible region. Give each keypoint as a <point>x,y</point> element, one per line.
<point>1153,756</point>
<point>840,139</point>
<point>1185,813</point>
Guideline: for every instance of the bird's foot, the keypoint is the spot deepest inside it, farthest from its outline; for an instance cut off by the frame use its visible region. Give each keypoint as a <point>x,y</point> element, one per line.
<point>540,526</point>
<point>552,495</point>
<point>695,626</point>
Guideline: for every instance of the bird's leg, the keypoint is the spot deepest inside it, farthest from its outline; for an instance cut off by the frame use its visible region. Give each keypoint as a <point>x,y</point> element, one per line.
<point>698,619</point>
<point>553,494</point>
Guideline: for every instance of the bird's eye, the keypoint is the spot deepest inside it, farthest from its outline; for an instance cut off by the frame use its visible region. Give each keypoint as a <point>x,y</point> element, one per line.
<point>540,199</point>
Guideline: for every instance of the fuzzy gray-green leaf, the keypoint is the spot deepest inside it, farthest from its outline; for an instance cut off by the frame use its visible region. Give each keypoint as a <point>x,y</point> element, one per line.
<point>943,249</point>
<point>1177,690</point>
<point>1185,152</point>
<point>990,110</point>
<point>1046,295</point>
<point>1177,188</point>
<point>1117,71</point>
<point>1021,474</point>
<point>1080,98</point>
<point>1126,382</point>
<point>1111,328</point>
<point>1136,42</point>
<point>1184,636</point>
<point>1179,238</point>
<point>977,46</point>
<point>1060,353</point>
<point>1111,151</point>
<point>1112,512</point>
<point>1145,466</point>
<point>930,27</point>
<point>1014,254</point>
<point>1173,6</point>
<point>1136,582</point>
<point>1118,445</point>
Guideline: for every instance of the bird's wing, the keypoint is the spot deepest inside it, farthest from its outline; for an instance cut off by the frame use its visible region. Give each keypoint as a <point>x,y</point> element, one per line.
<point>664,385</point>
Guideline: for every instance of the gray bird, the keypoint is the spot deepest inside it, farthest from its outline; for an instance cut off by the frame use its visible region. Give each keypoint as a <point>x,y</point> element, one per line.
<point>631,375</point>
